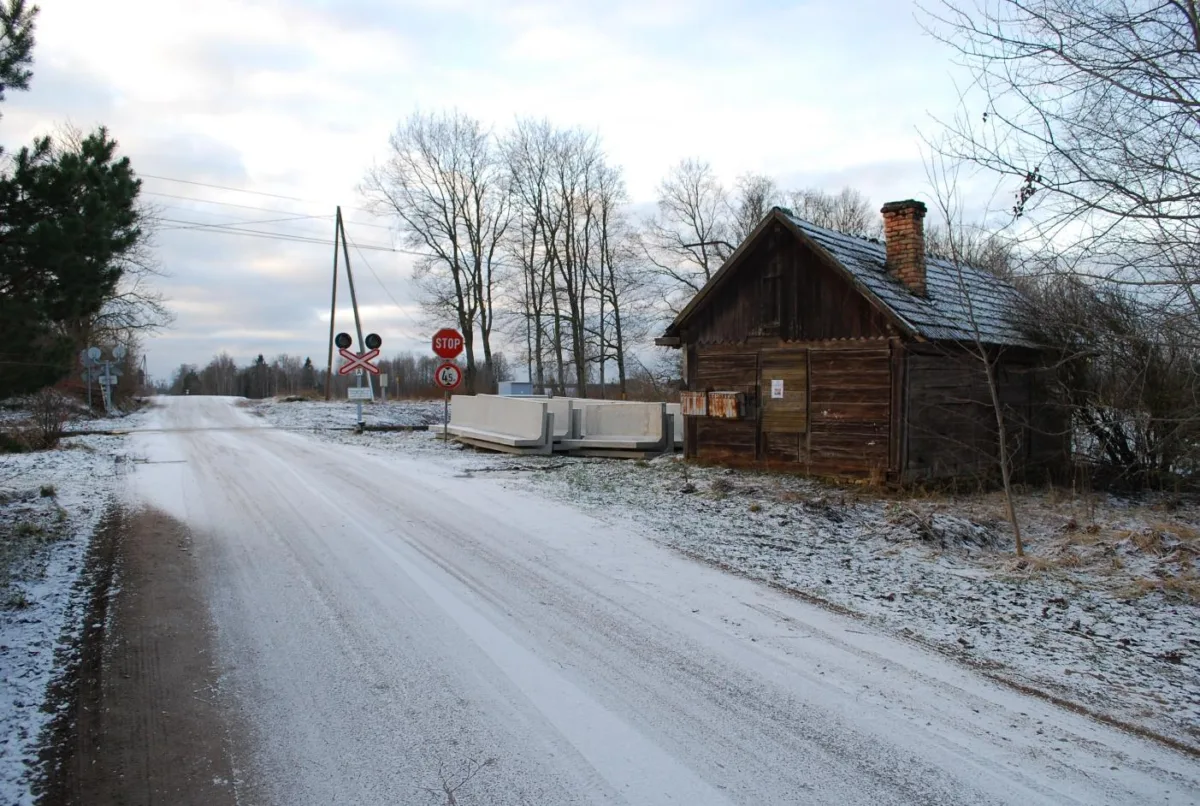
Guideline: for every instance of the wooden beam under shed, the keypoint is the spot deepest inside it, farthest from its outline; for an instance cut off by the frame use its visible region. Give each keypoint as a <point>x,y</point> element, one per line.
<point>667,341</point>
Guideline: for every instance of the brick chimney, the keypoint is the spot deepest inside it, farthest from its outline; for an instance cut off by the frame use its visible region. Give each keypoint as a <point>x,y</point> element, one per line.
<point>904,233</point>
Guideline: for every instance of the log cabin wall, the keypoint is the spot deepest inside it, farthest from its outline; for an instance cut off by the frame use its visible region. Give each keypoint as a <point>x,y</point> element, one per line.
<point>858,395</point>
<point>787,317</point>
<point>784,292</point>
<point>951,422</point>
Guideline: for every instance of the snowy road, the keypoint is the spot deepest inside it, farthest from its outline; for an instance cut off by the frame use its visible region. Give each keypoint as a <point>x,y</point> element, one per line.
<point>382,621</point>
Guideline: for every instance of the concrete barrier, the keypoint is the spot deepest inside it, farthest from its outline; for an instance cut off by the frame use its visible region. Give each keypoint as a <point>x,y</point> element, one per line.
<point>516,425</point>
<point>676,412</point>
<point>618,428</point>
<point>578,405</point>
<point>560,407</point>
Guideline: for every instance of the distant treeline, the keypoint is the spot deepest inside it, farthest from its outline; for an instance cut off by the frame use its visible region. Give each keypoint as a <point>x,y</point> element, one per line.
<point>408,375</point>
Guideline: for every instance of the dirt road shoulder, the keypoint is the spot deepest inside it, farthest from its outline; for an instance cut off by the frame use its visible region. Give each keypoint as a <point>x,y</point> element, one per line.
<point>140,718</point>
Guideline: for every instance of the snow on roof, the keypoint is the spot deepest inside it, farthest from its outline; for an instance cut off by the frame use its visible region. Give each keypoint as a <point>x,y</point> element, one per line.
<point>960,300</point>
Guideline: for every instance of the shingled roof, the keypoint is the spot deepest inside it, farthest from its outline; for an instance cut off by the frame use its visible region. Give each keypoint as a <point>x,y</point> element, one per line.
<point>960,300</point>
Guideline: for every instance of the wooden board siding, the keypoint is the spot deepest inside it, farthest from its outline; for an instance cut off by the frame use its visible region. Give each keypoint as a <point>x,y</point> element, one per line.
<point>788,414</point>
<point>850,396</point>
<point>783,291</point>
<point>951,421</point>
<point>723,440</point>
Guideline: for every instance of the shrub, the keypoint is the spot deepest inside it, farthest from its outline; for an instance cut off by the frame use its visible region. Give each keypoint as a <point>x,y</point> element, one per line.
<point>49,412</point>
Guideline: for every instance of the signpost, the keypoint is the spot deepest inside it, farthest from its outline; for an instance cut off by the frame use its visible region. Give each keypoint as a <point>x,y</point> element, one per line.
<point>447,344</point>
<point>448,376</point>
<point>356,363</point>
<point>102,372</point>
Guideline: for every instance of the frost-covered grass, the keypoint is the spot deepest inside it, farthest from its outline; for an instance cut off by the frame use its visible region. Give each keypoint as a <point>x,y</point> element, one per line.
<point>50,505</point>
<point>319,414</point>
<point>1103,612</point>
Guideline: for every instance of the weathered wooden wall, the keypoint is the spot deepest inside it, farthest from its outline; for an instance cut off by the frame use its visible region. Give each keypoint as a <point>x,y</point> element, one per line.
<point>783,290</point>
<point>951,422</point>
<point>858,399</point>
<point>850,410</point>
<point>733,370</point>
<point>834,417</point>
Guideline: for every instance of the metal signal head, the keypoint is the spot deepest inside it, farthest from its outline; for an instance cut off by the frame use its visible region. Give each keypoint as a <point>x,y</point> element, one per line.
<point>373,341</point>
<point>343,340</point>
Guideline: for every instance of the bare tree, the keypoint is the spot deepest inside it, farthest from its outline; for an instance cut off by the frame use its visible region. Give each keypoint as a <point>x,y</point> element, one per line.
<point>754,196</point>
<point>847,211</point>
<point>689,238</point>
<point>444,185</point>
<point>1089,112</point>
<point>943,176</point>
<point>528,151</point>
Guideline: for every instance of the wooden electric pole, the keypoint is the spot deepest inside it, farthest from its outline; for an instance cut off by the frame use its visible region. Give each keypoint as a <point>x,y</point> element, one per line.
<point>362,347</point>
<point>332,307</point>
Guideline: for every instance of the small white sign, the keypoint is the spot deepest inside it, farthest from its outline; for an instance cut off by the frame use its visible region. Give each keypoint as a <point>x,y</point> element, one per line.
<point>383,379</point>
<point>359,393</point>
<point>777,389</point>
<point>107,380</point>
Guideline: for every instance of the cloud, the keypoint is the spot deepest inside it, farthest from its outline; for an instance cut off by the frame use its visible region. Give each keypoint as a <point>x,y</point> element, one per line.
<point>292,100</point>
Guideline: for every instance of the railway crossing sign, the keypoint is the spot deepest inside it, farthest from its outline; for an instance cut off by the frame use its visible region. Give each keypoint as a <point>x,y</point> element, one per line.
<point>358,361</point>
<point>447,344</point>
<point>448,376</point>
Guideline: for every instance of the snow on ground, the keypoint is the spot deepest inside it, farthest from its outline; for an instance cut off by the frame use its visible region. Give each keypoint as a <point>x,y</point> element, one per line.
<point>1104,611</point>
<point>319,414</point>
<point>50,505</point>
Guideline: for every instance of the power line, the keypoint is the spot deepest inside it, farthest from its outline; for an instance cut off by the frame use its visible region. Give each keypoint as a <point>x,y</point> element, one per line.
<point>253,207</point>
<point>395,302</point>
<point>235,224</point>
<point>196,226</point>
<point>243,190</point>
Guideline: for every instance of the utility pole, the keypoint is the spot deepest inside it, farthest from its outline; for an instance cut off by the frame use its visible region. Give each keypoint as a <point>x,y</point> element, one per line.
<point>362,347</point>
<point>337,226</point>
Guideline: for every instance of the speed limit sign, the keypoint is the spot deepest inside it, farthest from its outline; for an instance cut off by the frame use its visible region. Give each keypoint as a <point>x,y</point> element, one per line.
<point>448,376</point>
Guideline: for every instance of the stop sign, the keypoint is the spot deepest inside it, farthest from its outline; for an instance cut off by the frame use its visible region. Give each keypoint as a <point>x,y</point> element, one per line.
<point>447,343</point>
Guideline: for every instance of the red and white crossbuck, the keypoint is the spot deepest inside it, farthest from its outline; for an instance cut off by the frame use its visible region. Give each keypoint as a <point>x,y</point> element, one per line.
<point>356,361</point>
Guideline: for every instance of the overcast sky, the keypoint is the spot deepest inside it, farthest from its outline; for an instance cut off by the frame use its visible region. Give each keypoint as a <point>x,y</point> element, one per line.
<point>296,98</point>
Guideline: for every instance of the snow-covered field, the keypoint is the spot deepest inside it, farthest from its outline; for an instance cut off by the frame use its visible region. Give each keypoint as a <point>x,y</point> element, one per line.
<point>1104,612</point>
<point>320,414</point>
<point>50,505</point>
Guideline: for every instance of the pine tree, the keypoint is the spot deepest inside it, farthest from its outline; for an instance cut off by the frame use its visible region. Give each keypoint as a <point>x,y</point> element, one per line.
<point>308,376</point>
<point>68,218</point>
<point>66,221</point>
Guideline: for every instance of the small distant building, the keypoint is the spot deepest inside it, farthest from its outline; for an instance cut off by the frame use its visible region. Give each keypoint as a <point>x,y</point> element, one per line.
<point>844,356</point>
<point>515,388</point>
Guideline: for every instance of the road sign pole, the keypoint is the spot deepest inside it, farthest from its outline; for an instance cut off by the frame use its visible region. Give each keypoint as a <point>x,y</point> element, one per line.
<point>446,420</point>
<point>358,378</point>
<point>105,389</point>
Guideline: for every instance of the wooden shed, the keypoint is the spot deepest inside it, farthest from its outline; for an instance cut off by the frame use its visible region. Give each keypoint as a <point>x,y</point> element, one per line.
<point>847,356</point>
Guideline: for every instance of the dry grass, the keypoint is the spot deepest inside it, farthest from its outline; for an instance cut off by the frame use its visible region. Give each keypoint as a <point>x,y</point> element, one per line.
<point>1183,586</point>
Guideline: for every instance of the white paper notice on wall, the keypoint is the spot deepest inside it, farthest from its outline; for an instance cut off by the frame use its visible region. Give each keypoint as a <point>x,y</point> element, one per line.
<point>777,389</point>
